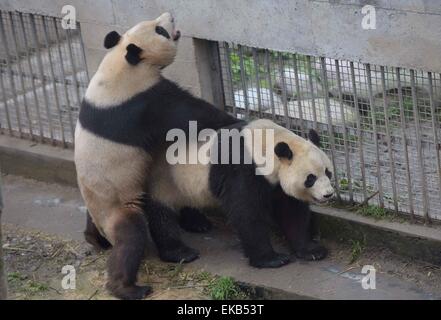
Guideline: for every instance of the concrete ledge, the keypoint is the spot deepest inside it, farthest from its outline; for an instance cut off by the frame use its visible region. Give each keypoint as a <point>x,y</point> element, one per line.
<point>416,241</point>
<point>54,164</point>
<point>37,161</point>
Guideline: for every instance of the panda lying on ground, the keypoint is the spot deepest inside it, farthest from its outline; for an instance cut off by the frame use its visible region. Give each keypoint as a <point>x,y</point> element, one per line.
<point>119,139</point>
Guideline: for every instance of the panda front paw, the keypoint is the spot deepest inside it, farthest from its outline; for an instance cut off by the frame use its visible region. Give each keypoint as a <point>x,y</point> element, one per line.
<point>312,252</point>
<point>273,260</point>
<point>179,254</point>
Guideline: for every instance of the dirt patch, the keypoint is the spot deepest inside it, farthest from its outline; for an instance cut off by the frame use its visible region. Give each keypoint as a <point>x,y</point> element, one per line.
<point>34,262</point>
<point>355,254</point>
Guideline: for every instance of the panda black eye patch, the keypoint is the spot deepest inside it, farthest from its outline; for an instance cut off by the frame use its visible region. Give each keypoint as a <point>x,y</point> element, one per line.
<point>161,31</point>
<point>328,173</point>
<point>310,180</point>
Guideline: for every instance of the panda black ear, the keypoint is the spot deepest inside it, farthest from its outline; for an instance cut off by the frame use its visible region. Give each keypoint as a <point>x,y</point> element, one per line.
<point>111,39</point>
<point>314,137</point>
<point>132,55</point>
<point>282,150</point>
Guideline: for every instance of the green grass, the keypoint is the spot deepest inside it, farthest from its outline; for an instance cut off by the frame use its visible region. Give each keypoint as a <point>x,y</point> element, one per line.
<point>21,281</point>
<point>374,212</point>
<point>36,287</point>
<point>225,288</point>
<point>16,277</point>
<point>356,250</point>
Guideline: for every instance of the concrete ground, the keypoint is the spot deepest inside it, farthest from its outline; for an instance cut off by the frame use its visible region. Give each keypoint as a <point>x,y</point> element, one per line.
<point>48,219</point>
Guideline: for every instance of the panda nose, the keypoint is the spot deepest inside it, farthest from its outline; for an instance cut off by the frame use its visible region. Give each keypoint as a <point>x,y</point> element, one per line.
<point>328,195</point>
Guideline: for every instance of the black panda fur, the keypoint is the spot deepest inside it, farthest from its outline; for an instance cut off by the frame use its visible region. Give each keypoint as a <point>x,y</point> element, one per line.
<point>144,120</point>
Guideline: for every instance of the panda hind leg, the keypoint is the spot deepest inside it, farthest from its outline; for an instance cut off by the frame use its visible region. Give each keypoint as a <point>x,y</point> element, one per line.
<point>192,220</point>
<point>130,237</point>
<point>165,231</point>
<point>295,220</point>
<point>94,237</point>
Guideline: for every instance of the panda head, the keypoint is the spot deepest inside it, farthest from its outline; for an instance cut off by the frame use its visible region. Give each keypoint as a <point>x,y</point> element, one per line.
<point>304,170</point>
<point>152,43</point>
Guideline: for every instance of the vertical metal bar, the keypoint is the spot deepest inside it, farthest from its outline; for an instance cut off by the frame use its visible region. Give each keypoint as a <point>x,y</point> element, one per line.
<point>54,83</point>
<point>28,57</point>
<point>360,133</point>
<point>270,84</point>
<point>74,68</point>
<point>330,126</point>
<point>20,73</point>
<point>83,52</point>
<point>230,78</point>
<point>311,88</point>
<point>299,98</point>
<point>63,75</point>
<point>5,102</point>
<point>42,76</point>
<point>375,134</point>
<point>345,133</point>
<point>243,80</point>
<point>284,97</point>
<point>404,138</point>
<point>434,129</point>
<point>216,79</point>
<point>256,70</point>
<point>10,74</point>
<point>419,146</point>
<point>389,142</point>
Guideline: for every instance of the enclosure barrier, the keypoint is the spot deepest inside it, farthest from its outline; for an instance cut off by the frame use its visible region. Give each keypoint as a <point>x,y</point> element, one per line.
<point>43,77</point>
<point>380,125</point>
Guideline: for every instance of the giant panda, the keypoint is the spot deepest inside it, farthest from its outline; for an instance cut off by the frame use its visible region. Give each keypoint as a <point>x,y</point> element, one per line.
<point>301,174</point>
<point>127,110</point>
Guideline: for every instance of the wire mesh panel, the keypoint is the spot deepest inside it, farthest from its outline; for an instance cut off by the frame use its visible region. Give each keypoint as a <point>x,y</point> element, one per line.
<point>380,125</point>
<point>42,77</point>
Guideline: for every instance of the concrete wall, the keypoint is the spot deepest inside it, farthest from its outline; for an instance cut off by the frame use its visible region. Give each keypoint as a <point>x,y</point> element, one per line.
<point>408,32</point>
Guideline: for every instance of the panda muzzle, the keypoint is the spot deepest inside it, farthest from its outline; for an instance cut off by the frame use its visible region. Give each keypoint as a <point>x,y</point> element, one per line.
<point>176,35</point>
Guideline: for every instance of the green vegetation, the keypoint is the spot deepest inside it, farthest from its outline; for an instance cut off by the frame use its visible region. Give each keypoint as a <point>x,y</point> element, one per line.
<point>225,288</point>
<point>374,212</point>
<point>249,70</point>
<point>16,277</point>
<point>36,287</point>
<point>356,250</point>
<point>21,281</point>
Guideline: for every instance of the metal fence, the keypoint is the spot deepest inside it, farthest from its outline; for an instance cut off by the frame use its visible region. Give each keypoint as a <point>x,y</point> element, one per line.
<point>43,77</point>
<point>380,125</point>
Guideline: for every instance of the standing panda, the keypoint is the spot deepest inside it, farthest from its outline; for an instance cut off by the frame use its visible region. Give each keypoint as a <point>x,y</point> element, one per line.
<point>127,110</point>
<point>301,173</point>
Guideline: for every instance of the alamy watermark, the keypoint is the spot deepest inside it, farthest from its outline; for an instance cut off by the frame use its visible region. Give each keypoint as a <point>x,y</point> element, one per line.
<point>69,19</point>
<point>69,281</point>
<point>206,148</point>
<point>369,21</point>
<point>369,281</point>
